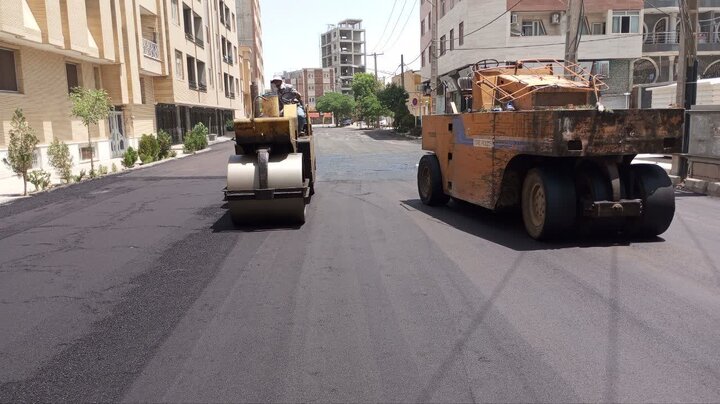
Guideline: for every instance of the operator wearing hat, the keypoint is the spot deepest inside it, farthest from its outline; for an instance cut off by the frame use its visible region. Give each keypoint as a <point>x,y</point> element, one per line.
<point>288,95</point>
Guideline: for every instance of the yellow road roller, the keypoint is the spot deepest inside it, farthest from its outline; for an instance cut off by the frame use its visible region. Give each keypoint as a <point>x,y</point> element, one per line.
<point>271,177</point>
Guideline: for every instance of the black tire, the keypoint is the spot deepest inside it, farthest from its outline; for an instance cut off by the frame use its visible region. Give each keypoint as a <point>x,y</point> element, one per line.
<point>429,179</point>
<point>651,184</point>
<point>548,203</point>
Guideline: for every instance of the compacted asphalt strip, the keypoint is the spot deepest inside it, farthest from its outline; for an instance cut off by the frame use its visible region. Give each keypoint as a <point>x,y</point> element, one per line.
<point>137,287</point>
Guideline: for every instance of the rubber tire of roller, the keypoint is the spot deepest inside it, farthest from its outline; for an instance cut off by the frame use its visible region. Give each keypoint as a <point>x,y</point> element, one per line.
<point>558,214</point>
<point>429,181</point>
<point>653,186</point>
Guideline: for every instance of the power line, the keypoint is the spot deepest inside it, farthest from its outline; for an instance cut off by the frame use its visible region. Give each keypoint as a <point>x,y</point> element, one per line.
<point>396,22</point>
<point>387,23</point>
<point>404,25</point>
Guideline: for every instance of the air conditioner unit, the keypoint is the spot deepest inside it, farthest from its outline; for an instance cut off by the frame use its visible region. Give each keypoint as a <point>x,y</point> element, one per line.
<point>555,18</point>
<point>513,18</point>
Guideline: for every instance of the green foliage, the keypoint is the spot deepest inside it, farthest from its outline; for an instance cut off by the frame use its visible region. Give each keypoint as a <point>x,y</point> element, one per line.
<point>40,179</point>
<point>148,149</point>
<point>173,153</point>
<point>21,147</point>
<point>230,125</point>
<point>81,175</point>
<point>196,139</point>
<point>394,98</point>
<point>341,105</point>
<point>60,159</point>
<point>164,144</point>
<point>114,168</point>
<point>102,170</point>
<point>363,85</point>
<point>129,158</point>
<point>370,109</point>
<point>90,105</point>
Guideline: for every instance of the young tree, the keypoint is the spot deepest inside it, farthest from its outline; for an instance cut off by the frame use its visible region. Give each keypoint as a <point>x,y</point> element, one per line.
<point>340,105</point>
<point>370,108</point>
<point>363,85</point>
<point>394,98</point>
<point>21,147</point>
<point>60,159</point>
<point>90,106</point>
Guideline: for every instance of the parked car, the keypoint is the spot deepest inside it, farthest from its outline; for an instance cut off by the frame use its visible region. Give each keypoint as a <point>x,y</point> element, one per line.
<point>346,122</point>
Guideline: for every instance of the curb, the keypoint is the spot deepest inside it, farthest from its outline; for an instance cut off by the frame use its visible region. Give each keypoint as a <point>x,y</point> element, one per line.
<point>220,139</point>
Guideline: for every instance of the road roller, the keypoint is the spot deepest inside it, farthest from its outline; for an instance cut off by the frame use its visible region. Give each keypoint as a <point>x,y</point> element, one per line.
<point>271,176</point>
<point>534,138</point>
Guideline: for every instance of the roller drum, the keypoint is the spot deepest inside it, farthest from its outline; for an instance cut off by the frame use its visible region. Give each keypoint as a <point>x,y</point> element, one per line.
<point>283,172</point>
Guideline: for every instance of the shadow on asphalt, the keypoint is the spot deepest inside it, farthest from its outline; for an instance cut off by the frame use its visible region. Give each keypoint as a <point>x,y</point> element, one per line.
<point>380,134</point>
<point>225,225</point>
<point>507,229</point>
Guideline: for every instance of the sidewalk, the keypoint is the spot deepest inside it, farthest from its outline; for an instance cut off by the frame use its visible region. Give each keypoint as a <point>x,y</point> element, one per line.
<point>11,188</point>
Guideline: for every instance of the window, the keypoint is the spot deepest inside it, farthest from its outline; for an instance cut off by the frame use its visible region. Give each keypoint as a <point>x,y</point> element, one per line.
<point>625,22</point>
<point>598,28</point>
<point>143,100</point>
<point>442,45</point>
<point>202,81</point>
<point>8,71</point>
<point>422,58</point>
<point>210,76</point>
<point>73,78</point>
<point>175,11</point>
<point>422,27</point>
<point>442,8</point>
<point>452,39</point>
<point>96,76</point>
<point>192,80</point>
<point>188,21</point>
<point>237,86</point>
<point>601,68</point>
<point>86,151</point>
<point>461,34</point>
<point>179,65</point>
<point>429,28</point>
<point>197,22</point>
<point>533,28</point>
<point>226,85</point>
<point>233,22</point>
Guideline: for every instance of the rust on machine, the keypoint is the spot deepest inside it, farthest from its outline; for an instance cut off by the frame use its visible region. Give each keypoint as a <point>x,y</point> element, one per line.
<point>541,114</point>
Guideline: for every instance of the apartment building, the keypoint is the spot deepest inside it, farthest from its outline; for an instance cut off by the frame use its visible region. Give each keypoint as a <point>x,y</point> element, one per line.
<point>312,83</point>
<point>468,33</point>
<point>166,64</point>
<point>342,47</point>
<point>660,48</point>
<point>250,37</point>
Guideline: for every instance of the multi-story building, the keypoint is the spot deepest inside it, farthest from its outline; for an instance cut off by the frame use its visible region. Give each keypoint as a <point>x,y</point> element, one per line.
<point>631,43</point>
<point>312,83</point>
<point>342,48</point>
<point>660,49</point>
<point>166,64</point>
<point>469,32</point>
<point>250,37</point>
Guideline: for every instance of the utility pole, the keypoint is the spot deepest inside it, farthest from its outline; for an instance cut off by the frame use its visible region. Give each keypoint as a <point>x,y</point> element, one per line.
<point>402,70</point>
<point>574,33</point>
<point>434,53</point>
<point>687,60</point>
<point>687,72</point>
<point>375,55</point>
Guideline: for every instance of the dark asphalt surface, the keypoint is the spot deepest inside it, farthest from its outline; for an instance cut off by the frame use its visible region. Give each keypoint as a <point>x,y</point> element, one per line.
<point>136,287</point>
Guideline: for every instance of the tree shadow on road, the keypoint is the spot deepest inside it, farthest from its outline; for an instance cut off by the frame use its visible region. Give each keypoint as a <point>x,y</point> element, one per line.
<point>384,134</point>
<point>507,229</point>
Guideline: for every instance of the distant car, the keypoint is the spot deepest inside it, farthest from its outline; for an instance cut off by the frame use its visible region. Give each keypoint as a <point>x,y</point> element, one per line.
<point>383,123</point>
<point>346,122</point>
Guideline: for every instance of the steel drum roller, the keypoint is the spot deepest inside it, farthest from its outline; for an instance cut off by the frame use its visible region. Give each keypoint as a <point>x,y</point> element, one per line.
<point>283,172</point>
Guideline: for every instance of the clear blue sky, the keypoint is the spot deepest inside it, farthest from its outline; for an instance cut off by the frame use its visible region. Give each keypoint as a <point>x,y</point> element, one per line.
<point>291,31</point>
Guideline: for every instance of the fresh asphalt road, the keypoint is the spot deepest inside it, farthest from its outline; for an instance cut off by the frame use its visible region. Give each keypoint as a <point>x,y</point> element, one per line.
<point>136,287</point>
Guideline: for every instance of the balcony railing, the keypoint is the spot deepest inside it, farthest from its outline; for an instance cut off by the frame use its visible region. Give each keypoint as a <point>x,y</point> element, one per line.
<point>673,37</point>
<point>151,49</point>
<point>192,84</point>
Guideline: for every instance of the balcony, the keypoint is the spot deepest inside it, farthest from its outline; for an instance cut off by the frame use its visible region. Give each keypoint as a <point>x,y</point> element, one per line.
<point>669,41</point>
<point>151,49</point>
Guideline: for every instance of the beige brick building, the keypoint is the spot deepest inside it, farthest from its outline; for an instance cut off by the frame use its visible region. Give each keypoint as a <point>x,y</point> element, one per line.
<point>166,64</point>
